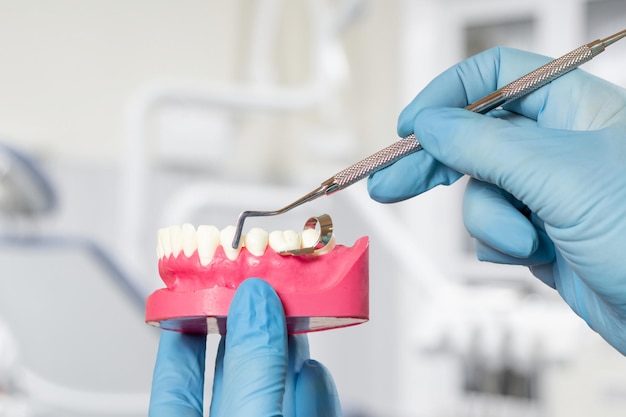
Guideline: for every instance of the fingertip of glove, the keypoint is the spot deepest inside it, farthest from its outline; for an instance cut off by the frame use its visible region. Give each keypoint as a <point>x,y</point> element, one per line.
<point>254,295</point>
<point>256,313</point>
<point>490,216</point>
<point>509,236</point>
<point>405,122</point>
<point>545,273</point>
<point>389,186</point>
<point>255,288</point>
<point>317,374</point>
<point>313,364</point>
<point>316,392</point>
<point>501,255</point>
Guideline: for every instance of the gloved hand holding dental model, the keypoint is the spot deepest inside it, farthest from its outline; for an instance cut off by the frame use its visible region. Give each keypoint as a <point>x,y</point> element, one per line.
<point>548,176</point>
<point>259,370</point>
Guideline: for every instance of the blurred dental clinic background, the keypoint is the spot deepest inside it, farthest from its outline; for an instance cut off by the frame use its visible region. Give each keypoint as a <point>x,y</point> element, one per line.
<point>117,118</point>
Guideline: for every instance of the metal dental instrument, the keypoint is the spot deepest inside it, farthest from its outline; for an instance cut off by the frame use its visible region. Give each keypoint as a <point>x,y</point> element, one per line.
<point>387,156</point>
<point>325,239</point>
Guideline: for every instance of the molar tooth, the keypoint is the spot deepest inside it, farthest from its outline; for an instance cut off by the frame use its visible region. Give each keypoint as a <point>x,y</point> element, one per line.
<point>190,240</point>
<point>208,238</point>
<point>164,241</point>
<point>310,237</point>
<point>226,238</point>
<point>256,241</point>
<point>176,240</point>
<point>284,241</point>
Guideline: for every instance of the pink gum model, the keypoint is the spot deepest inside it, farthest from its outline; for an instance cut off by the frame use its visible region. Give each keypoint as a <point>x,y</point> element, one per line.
<point>318,293</point>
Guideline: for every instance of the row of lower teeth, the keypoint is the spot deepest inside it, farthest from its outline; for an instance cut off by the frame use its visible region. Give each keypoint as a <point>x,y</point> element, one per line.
<point>186,239</point>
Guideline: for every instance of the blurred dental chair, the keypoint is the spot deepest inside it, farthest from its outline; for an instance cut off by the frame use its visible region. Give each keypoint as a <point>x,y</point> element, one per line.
<point>24,190</point>
<point>75,343</point>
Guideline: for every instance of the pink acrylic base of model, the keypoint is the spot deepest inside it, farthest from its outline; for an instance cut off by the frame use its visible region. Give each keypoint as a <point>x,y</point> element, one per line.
<point>318,293</point>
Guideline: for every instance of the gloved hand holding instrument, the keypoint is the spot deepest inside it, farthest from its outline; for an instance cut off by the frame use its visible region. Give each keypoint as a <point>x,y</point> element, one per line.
<point>548,177</point>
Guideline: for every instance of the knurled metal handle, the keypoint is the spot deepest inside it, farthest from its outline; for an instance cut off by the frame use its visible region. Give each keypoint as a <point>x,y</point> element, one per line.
<point>535,79</point>
<point>376,162</point>
<point>518,88</point>
<point>547,73</point>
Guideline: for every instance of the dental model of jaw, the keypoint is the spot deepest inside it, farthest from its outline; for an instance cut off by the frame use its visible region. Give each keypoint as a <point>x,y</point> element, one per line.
<point>322,285</point>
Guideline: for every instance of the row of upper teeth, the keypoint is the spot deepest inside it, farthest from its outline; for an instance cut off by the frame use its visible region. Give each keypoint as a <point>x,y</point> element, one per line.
<point>186,239</point>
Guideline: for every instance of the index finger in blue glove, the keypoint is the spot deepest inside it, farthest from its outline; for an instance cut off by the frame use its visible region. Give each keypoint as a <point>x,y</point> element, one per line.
<point>178,382</point>
<point>469,81</point>
<point>408,177</point>
<point>488,71</point>
<point>255,356</point>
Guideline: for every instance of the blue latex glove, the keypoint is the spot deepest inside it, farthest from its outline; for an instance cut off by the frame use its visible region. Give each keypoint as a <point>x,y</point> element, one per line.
<point>259,370</point>
<point>548,186</point>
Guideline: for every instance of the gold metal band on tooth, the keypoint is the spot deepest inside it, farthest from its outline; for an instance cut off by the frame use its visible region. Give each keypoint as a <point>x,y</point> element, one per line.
<point>325,242</point>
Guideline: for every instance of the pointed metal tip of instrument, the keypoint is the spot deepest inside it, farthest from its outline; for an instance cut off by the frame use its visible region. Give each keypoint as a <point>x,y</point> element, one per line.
<point>613,38</point>
<point>239,229</point>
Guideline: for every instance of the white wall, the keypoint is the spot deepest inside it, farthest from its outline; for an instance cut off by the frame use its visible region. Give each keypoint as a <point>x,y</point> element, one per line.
<point>69,67</point>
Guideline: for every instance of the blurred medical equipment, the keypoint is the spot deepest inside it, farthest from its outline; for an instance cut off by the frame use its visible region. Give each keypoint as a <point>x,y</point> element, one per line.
<point>11,403</point>
<point>387,156</point>
<point>24,191</point>
<point>63,301</point>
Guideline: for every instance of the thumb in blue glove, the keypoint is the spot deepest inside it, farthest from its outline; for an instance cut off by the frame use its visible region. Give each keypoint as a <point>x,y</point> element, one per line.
<point>548,186</point>
<point>259,370</point>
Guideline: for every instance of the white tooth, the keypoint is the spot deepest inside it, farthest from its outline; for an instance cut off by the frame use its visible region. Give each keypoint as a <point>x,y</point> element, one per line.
<point>176,239</point>
<point>164,241</point>
<point>256,241</point>
<point>310,237</point>
<point>190,240</point>
<point>208,240</point>
<point>226,239</point>
<point>285,240</point>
